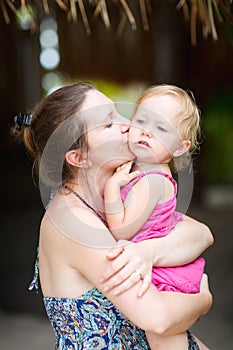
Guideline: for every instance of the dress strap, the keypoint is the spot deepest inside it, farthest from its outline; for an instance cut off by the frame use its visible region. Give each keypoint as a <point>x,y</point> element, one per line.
<point>87,204</point>
<point>158,172</point>
<point>168,176</point>
<point>53,192</point>
<point>35,281</point>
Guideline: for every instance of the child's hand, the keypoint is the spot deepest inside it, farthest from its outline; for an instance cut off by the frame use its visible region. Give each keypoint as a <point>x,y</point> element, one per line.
<point>122,175</point>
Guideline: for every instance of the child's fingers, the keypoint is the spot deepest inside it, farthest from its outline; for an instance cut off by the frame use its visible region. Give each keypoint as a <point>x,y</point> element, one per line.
<point>126,166</point>
<point>133,175</point>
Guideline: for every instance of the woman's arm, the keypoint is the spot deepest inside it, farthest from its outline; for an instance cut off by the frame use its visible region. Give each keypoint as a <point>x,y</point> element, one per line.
<point>158,312</point>
<point>184,244</point>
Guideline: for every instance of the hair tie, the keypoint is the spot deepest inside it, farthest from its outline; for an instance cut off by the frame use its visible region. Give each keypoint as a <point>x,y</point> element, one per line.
<point>23,120</point>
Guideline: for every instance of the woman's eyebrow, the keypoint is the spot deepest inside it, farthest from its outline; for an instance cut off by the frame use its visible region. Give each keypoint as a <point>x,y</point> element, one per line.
<point>112,114</point>
<point>108,116</point>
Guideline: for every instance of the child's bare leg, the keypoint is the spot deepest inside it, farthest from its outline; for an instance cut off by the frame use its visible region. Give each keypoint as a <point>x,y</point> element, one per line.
<point>174,342</point>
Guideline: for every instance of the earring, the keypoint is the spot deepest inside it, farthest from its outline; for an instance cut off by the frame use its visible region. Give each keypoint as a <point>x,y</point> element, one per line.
<point>85,163</point>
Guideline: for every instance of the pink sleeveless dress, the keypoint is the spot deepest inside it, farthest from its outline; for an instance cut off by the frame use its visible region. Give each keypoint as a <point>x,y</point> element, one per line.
<point>162,221</point>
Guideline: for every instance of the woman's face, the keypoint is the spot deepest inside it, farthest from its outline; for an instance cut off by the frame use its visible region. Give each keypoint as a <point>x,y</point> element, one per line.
<point>107,131</point>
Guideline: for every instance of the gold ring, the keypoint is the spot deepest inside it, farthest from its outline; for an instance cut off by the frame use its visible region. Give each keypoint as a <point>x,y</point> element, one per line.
<point>138,273</point>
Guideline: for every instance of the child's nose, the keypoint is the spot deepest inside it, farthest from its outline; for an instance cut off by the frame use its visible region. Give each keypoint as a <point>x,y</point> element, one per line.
<point>146,133</point>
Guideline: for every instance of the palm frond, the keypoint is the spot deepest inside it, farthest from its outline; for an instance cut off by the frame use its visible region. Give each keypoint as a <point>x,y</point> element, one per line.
<point>207,13</point>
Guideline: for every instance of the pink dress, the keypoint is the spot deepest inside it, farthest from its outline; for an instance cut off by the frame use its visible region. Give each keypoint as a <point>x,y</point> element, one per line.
<point>162,221</point>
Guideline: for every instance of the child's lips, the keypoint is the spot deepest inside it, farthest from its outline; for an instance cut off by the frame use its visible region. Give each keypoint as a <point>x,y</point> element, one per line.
<point>143,143</point>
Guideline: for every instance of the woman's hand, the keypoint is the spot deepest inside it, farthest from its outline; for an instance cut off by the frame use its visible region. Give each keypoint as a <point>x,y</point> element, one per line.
<point>131,262</point>
<point>204,288</point>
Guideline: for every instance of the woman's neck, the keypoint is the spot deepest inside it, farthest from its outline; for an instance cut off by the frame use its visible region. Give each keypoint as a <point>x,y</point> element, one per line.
<point>90,185</point>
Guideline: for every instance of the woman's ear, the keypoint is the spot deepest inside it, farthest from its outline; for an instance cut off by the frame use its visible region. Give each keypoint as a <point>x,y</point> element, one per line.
<point>184,147</point>
<point>73,158</point>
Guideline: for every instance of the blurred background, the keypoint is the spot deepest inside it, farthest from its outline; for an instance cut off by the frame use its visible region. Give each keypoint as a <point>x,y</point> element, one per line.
<point>122,47</point>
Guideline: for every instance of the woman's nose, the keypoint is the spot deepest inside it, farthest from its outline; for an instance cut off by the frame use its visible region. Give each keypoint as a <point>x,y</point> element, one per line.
<point>124,124</point>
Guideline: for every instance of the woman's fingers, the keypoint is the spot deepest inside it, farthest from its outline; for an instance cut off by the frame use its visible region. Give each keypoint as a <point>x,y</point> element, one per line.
<point>114,253</point>
<point>146,282</point>
<point>124,274</point>
<point>119,284</point>
<point>117,272</point>
<point>204,286</point>
<point>134,278</point>
<point>128,266</point>
<point>119,279</point>
<point>118,260</point>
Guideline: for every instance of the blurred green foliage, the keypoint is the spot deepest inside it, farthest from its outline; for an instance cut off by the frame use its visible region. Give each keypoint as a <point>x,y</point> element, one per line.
<point>218,129</point>
<point>124,95</point>
<point>119,93</point>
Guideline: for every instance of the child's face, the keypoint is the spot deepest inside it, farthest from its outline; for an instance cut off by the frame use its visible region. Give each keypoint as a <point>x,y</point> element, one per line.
<point>153,135</point>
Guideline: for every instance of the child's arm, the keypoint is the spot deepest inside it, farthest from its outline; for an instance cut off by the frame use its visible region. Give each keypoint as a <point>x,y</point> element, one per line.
<point>114,207</point>
<point>125,219</point>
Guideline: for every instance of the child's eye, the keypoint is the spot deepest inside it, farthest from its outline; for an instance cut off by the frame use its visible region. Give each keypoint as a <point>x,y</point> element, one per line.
<point>140,121</point>
<point>160,128</point>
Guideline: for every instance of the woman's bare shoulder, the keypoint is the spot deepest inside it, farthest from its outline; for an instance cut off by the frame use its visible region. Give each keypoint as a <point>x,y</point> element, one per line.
<point>76,223</point>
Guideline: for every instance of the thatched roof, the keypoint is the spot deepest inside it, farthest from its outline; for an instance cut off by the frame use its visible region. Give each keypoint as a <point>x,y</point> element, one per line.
<point>203,12</point>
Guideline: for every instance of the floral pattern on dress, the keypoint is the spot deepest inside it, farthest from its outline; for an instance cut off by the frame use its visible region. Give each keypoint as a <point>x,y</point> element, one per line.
<point>92,322</point>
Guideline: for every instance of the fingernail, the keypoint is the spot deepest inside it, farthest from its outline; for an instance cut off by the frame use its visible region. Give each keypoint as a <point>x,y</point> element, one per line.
<point>116,292</point>
<point>101,279</point>
<point>106,289</point>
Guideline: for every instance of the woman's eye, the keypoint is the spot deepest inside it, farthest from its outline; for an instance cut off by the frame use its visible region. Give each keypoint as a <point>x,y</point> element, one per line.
<point>109,125</point>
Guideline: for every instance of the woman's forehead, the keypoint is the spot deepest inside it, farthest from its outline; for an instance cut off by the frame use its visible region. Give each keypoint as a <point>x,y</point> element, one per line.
<point>95,98</point>
<point>96,109</point>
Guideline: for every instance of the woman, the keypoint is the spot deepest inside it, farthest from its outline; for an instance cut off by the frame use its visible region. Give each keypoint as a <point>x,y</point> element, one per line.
<point>92,296</point>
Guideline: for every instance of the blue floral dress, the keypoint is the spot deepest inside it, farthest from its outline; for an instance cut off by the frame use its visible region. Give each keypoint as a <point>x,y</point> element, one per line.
<point>91,321</point>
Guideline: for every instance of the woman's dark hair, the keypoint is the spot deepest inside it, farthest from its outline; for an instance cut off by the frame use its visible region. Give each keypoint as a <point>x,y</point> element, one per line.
<point>54,110</point>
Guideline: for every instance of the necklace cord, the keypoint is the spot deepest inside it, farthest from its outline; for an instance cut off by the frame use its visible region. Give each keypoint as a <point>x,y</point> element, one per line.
<point>86,203</point>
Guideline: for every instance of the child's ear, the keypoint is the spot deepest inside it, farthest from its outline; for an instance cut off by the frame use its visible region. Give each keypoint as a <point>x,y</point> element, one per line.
<point>73,158</point>
<point>184,147</point>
